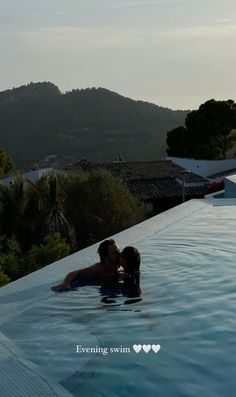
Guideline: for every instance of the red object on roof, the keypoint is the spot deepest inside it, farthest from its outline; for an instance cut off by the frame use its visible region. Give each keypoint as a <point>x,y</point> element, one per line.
<point>216,186</point>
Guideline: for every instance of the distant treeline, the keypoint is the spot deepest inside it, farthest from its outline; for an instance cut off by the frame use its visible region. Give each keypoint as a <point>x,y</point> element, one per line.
<point>37,120</point>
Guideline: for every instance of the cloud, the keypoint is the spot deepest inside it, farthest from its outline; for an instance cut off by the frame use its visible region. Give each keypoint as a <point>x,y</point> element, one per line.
<point>146,3</point>
<point>216,31</point>
<point>74,39</point>
<point>80,38</point>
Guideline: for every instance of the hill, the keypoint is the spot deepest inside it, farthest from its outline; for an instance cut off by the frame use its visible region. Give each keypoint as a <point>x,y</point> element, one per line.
<point>39,124</point>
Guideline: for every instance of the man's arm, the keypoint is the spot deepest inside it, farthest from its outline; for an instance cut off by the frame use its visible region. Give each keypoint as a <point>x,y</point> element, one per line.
<point>93,271</point>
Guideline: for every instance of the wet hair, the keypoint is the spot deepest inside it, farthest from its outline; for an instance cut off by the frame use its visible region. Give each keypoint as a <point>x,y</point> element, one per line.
<point>131,286</point>
<point>132,257</point>
<point>103,248</point>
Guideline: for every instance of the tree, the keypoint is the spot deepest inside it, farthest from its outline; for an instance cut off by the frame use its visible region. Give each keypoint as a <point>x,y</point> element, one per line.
<point>29,211</point>
<point>207,133</point>
<point>53,248</point>
<point>14,263</point>
<point>11,258</point>
<point>36,219</point>
<point>13,202</point>
<point>46,207</point>
<point>4,279</point>
<point>6,163</point>
<point>177,142</point>
<point>100,205</point>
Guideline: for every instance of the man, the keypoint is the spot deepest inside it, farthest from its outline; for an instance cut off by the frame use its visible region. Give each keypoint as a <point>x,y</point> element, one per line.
<point>109,253</point>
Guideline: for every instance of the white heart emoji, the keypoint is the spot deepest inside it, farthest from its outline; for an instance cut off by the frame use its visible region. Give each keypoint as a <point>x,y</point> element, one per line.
<point>156,348</point>
<point>146,348</point>
<point>137,348</point>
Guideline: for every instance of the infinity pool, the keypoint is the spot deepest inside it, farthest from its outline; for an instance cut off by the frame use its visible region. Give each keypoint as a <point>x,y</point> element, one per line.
<point>188,306</point>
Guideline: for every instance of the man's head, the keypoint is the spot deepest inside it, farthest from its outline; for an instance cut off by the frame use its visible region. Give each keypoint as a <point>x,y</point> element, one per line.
<point>109,251</point>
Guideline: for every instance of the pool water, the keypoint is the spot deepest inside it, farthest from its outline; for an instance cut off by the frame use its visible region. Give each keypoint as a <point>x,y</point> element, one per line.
<point>188,306</point>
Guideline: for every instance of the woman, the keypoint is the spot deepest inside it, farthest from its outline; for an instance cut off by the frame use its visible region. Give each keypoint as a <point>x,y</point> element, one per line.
<point>129,279</point>
<point>130,261</point>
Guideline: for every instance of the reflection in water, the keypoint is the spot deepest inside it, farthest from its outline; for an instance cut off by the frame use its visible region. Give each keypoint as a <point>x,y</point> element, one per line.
<point>126,286</point>
<point>188,307</point>
<point>110,288</point>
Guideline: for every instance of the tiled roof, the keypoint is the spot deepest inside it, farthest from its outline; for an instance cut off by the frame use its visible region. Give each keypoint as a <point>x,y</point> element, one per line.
<point>148,189</point>
<point>149,180</point>
<point>129,170</point>
<point>232,171</point>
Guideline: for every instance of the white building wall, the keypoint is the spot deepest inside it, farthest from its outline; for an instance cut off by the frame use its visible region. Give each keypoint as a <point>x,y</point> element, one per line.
<point>33,175</point>
<point>230,187</point>
<point>203,167</point>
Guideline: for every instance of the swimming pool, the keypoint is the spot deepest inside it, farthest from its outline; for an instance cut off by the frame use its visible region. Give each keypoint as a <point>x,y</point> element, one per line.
<point>188,306</point>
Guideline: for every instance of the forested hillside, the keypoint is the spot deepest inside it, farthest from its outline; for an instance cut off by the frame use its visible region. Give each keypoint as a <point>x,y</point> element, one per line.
<point>39,124</point>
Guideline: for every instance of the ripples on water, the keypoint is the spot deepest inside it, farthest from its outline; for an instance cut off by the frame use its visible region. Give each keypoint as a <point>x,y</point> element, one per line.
<point>188,307</point>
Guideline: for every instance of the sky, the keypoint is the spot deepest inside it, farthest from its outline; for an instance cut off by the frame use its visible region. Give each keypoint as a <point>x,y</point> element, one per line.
<point>174,53</point>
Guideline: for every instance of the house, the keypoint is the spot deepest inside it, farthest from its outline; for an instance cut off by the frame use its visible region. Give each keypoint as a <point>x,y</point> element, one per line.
<point>215,171</point>
<point>205,168</point>
<point>33,175</point>
<point>158,184</point>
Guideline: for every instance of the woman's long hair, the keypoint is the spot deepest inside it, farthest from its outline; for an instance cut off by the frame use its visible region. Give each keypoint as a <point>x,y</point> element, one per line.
<point>133,259</point>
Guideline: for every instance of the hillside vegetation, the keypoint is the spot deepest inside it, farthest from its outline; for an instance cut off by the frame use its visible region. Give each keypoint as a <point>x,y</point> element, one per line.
<point>37,121</point>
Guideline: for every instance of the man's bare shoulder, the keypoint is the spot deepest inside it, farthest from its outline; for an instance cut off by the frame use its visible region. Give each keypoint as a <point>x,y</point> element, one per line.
<point>91,271</point>
<point>97,265</point>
